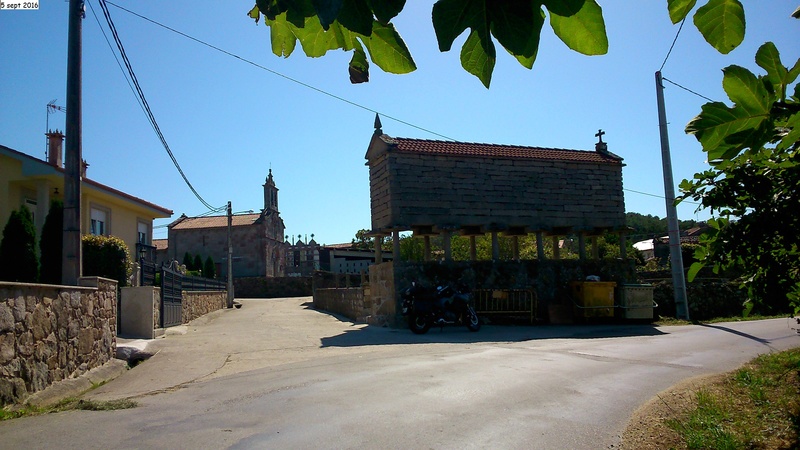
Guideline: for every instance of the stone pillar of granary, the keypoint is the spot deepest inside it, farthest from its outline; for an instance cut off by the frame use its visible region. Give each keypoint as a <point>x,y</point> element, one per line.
<point>446,244</point>
<point>495,247</point>
<point>427,240</point>
<point>595,248</point>
<point>556,249</point>
<point>623,247</point>
<point>396,245</point>
<point>540,245</point>
<point>473,252</point>
<point>515,247</point>
<point>581,246</point>
<point>378,250</point>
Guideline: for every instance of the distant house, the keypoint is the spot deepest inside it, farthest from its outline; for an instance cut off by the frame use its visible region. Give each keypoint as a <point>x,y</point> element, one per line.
<point>29,181</point>
<point>303,258</point>
<point>258,243</point>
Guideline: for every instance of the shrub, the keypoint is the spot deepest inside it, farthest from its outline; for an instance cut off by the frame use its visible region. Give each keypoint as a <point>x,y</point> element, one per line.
<point>108,257</point>
<point>18,260</point>
<point>51,244</point>
<point>197,265</point>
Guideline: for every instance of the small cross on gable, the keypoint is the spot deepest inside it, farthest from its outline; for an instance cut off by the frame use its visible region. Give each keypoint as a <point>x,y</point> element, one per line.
<point>599,135</point>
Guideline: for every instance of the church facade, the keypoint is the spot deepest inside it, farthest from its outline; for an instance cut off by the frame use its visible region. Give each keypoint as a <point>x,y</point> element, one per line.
<point>259,249</point>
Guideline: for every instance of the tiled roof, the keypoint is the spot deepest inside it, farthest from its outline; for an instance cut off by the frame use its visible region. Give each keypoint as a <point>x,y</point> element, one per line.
<point>190,223</point>
<point>161,244</point>
<point>496,150</point>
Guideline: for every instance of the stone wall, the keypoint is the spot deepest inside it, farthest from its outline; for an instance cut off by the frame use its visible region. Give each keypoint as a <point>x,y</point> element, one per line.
<point>50,333</point>
<point>278,287</point>
<point>381,294</point>
<point>413,189</point>
<point>199,303</point>
<point>348,302</point>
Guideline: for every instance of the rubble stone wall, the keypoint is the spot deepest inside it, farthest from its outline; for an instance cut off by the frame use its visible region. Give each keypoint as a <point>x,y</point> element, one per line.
<point>199,303</point>
<point>49,333</point>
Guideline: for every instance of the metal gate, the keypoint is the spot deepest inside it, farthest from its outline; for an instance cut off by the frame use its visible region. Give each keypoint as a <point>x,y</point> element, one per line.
<point>171,287</point>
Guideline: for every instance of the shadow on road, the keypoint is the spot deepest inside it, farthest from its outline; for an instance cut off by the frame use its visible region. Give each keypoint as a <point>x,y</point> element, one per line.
<point>371,335</point>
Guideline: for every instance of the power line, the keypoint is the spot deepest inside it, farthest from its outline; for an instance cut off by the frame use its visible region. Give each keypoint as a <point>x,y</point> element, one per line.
<point>306,85</point>
<point>687,89</point>
<point>659,196</point>
<point>673,45</point>
<point>144,103</point>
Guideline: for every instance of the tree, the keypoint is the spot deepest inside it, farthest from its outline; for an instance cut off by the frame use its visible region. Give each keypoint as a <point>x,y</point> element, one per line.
<point>364,26</point>
<point>18,260</point>
<point>364,242</point>
<point>753,184</point>
<point>209,269</point>
<point>51,244</point>
<point>197,264</point>
<point>188,262</point>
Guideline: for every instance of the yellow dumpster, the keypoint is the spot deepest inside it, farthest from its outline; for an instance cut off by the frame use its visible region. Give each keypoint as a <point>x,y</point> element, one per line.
<point>593,299</point>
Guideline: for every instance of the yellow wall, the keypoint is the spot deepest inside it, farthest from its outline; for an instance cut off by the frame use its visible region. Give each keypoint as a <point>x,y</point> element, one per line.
<point>123,215</point>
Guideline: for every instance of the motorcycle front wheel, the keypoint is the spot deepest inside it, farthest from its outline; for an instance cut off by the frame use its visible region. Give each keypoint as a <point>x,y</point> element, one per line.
<point>473,322</point>
<point>418,324</point>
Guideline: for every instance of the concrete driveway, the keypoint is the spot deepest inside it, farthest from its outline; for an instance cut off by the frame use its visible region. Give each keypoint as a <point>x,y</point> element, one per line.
<point>278,374</point>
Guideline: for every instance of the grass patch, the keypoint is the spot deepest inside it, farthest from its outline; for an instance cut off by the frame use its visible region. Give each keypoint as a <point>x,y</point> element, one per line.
<point>69,404</point>
<point>671,321</point>
<point>757,406</point>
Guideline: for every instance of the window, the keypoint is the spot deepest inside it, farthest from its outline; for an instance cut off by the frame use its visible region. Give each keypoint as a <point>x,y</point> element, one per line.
<point>142,233</point>
<point>99,222</point>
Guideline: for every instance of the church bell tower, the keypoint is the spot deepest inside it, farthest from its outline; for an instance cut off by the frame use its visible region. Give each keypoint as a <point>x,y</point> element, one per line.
<point>270,194</point>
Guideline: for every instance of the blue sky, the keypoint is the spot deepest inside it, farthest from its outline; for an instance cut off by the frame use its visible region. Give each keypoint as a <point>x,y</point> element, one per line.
<point>228,122</point>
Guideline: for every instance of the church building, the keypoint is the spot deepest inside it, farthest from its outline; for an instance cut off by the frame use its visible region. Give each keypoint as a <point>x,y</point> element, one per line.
<point>259,249</point>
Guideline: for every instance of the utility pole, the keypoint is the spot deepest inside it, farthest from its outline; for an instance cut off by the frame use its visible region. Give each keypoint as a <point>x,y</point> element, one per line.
<point>71,254</point>
<point>675,255</point>
<point>230,258</point>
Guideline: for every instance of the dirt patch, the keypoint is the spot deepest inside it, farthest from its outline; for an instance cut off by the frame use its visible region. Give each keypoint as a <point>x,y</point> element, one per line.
<point>646,428</point>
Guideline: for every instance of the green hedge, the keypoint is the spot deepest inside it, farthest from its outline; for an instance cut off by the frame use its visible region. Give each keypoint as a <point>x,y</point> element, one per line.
<point>107,257</point>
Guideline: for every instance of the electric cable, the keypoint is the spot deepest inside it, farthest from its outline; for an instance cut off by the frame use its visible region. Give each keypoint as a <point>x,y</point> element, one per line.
<point>274,72</point>
<point>146,106</point>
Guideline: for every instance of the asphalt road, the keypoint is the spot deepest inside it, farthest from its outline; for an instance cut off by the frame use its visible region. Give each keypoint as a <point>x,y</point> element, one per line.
<point>277,374</point>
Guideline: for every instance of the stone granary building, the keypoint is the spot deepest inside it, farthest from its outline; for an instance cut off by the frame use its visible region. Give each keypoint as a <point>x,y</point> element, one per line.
<point>440,188</point>
<point>259,249</point>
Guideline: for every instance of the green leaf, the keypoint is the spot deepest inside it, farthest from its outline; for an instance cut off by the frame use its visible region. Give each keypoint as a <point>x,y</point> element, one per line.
<point>386,10</point>
<point>746,91</point>
<point>387,49</point>
<point>453,17</point>
<point>359,67</point>
<point>693,270</point>
<point>517,27</point>
<point>793,136</point>
<point>583,30</point>
<point>313,38</point>
<point>327,11</point>
<point>356,16</point>
<point>254,13</point>
<point>679,9</point>
<point>281,37</point>
<point>478,58</point>
<point>769,59</point>
<point>722,24</point>
<point>716,122</point>
<point>793,72</point>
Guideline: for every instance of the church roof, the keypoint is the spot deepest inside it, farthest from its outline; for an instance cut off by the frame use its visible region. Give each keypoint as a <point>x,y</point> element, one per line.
<point>434,147</point>
<point>189,223</point>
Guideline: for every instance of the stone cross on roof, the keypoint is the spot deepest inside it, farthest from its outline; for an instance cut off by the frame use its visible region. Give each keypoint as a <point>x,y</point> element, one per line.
<point>599,135</point>
<point>600,146</point>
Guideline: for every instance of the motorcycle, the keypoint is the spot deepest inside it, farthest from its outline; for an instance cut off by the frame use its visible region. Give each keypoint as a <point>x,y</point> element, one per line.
<point>442,306</point>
